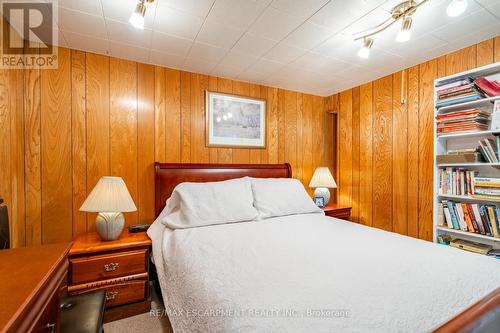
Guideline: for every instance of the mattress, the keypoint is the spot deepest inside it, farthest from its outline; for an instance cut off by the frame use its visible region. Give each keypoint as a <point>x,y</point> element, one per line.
<point>312,273</point>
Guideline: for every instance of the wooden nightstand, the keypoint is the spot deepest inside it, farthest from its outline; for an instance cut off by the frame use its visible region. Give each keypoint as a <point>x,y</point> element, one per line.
<point>119,267</point>
<point>334,210</point>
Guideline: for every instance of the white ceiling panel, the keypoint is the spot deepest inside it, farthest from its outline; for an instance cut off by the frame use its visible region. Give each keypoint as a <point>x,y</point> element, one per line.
<point>305,45</point>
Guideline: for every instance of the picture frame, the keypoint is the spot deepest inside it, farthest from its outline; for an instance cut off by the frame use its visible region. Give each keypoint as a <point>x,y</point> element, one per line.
<point>234,121</point>
<point>319,201</point>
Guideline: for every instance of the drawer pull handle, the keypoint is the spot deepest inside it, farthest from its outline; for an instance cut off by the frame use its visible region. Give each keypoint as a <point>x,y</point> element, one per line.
<point>111,295</point>
<point>50,327</point>
<point>112,266</point>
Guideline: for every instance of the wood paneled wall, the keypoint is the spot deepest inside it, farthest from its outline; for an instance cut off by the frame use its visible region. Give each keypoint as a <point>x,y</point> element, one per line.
<point>385,148</point>
<point>61,130</point>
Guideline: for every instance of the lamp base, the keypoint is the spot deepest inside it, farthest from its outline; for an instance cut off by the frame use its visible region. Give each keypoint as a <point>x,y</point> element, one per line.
<point>109,225</point>
<point>324,193</point>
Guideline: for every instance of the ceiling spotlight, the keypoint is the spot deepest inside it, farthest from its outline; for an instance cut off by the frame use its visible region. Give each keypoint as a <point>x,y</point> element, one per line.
<point>137,17</point>
<point>404,33</point>
<point>364,52</point>
<point>456,8</point>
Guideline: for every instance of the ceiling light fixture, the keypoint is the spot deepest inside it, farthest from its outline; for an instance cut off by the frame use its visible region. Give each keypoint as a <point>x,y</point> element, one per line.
<point>364,52</point>
<point>405,33</point>
<point>137,17</point>
<point>456,8</point>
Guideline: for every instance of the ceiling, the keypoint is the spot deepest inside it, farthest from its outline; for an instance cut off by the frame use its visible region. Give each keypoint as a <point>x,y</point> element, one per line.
<point>303,45</point>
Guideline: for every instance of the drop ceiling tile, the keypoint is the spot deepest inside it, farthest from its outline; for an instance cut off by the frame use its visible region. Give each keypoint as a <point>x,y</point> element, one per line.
<point>165,59</point>
<point>127,34</point>
<point>300,9</point>
<point>308,35</point>
<point>194,7</point>
<point>170,44</point>
<point>416,45</point>
<point>128,52</point>
<point>206,52</point>
<point>250,76</point>
<point>226,71</point>
<point>71,20</point>
<point>284,53</point>
<point>238,59</point>
<point>254,45</point>
<point>266,67</point>
<point>339,14</point>
<point>368,21</point>
<point>237,13</point>
<point>175,22</point>
<point>218,34</point>
<point>120,10</point>
<point>274,24</point>
<point>465,25</point>
<point>199,66</point>
<point>92,7</point>
<point>492,6</point>
<point>86,43</point>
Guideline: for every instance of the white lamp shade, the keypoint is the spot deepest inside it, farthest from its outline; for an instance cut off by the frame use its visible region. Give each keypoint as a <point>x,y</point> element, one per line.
<point>322,177</point>
<point>109,195</point>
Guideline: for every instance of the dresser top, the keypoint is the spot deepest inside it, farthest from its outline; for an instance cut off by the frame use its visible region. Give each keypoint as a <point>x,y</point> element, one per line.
<point>25,273</point>
<point>91,243</point>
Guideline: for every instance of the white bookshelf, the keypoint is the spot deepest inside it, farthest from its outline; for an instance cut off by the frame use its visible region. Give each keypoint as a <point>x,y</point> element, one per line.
<point>445,142</point>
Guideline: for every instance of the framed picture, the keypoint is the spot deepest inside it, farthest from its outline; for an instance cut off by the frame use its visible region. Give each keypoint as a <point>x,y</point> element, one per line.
<point>319,201</point>
<point>235,121</point>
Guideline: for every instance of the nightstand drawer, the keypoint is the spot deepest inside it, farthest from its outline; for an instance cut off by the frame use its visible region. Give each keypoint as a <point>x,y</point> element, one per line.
<point>125,292</point>
<point>107,266</point>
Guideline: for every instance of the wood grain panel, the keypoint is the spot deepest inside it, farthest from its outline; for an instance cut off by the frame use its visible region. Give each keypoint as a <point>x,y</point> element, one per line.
<point>161,115</point>
<point>185,117</point>
<point>382,153</point>
<point>255,154</point>
<point>496,49</point>
<point>307,140</point>
<point>33,192</point>
<point>98,135</point>
<point>413,150</point>
<point>5,135</point>
<point>57,193</point>
<point>212,86</point>
<point>345,148</point>
<point>199,153</point>
<point>290,128</point>
<point>428,72</point>
<point>484,53</point>
<point>365,155</point>
<point>145,142</point>
<point>281,126</point>
<point>173,115</point>
<point>123,126</point>
<point>355,153</point>
<point>461,60</point>
<point>272,125</point>
<point>79,140</point>
<point>399,152</point>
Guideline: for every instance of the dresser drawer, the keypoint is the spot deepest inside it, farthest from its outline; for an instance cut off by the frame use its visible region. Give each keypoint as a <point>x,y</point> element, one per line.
<point>125,292</point>
<point>107,266</point>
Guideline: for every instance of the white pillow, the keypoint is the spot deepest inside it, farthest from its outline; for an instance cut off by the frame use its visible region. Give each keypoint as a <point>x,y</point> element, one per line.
<point>281,196</point>
<point>200,204</point>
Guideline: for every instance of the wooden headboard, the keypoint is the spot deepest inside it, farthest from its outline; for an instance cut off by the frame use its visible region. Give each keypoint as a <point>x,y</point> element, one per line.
<point>168,175</point>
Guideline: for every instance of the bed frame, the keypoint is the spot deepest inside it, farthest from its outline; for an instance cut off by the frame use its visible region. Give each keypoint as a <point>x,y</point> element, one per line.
<point>169,175</point>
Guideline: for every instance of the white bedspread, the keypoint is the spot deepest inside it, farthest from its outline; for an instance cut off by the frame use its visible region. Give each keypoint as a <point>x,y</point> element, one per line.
<point>311,273</point>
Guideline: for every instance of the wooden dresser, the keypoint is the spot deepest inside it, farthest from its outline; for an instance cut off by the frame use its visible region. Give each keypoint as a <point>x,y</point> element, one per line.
<point>119,267</point>
<point>32,281</point>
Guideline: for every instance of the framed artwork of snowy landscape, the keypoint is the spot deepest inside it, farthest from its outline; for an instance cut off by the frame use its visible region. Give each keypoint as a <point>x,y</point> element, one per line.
<point>235,121</point>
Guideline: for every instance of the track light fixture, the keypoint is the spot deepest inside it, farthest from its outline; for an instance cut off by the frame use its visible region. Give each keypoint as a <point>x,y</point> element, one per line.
<point>364,52</point>
<point>456,8</point>
<point>405,33</point>
<point>137,17</point>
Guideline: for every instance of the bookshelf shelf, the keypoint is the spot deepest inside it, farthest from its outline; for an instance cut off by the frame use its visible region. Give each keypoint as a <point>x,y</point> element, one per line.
<point>468,234</point>
<point>466,198</point>
<point>464,140</point>
<point>477,103</point>
<point>466,135</point>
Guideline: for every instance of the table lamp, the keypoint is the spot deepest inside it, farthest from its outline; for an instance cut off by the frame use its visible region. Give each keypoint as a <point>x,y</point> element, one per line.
<point>322,179</point>
<point>109,198</point>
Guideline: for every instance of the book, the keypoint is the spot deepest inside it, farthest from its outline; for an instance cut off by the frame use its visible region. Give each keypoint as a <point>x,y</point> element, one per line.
<point>485,220</point>
<point>467,218</point>
<point>461,219</point>
<point>490,144</point>
<point>492,219</point>
<point>471,246</point>
<point>477,217</point>
<point>488,87</point>
<point>447,216</point>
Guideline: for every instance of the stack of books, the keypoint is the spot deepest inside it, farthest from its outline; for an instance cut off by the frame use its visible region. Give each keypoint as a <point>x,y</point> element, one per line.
<point>462,121</point>
<point>457,91</point>
<point>489,149</point>
<point>486,188</point>
<point>456,182</point>
<point>475,218</point>
<point>490,88</point>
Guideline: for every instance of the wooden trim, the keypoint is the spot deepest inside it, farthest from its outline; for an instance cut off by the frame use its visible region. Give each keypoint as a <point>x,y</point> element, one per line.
<point>473,316</point>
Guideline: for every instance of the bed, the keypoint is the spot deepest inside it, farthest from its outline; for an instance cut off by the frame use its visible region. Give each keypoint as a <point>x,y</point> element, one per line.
<point>307,272</point>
